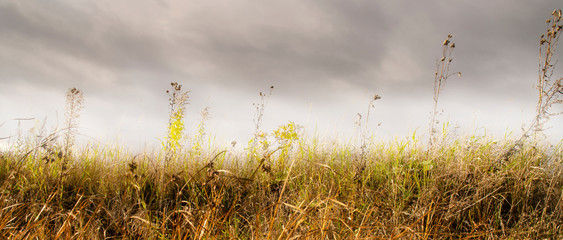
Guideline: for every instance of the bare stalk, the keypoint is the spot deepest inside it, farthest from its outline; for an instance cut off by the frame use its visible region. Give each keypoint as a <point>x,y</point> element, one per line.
<point>74,101</point>
<point>364,131</point>
<point>440,77</point>
<point>260,109</point>
<point>258,118</point>
<point>550,91</point>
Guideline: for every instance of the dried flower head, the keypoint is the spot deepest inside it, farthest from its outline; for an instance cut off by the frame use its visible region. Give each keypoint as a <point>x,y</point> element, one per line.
<point>376,97</point>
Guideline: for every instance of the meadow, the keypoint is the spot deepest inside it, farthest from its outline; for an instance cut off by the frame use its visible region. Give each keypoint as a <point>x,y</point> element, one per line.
<point>288,185</point>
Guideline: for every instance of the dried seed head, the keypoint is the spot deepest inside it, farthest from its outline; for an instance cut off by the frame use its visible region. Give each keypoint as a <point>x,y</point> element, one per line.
<point>376,97</point>
<point>449,36</point>
<point>266,168</point>
<point>452,45</point>
<point>132,166</point>
<point>446,42</point>
<point>443,58</point>
<point>547,21</point>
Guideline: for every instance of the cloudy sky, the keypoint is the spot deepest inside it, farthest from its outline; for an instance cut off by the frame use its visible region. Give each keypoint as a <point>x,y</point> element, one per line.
<point>326,59</point>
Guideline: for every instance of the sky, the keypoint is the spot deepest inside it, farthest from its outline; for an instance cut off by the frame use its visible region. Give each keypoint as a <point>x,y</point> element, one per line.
<point>325,58</point>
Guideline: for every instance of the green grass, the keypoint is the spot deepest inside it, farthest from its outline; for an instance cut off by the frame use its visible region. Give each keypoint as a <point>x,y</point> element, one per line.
<point>459,190</point>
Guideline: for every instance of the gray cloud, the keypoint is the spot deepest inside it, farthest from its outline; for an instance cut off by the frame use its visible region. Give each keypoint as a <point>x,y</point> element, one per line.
<point>316,53</point>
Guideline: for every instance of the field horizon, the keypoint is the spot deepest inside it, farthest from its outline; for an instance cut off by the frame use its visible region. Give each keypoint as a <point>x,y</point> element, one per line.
<point>292,187</point>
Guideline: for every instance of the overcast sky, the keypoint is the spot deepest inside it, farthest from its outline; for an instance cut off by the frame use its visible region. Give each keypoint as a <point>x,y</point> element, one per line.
<point>326,59</point>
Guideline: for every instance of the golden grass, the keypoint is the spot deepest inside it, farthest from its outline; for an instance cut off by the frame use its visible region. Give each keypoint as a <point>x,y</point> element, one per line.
<point>458,191</point>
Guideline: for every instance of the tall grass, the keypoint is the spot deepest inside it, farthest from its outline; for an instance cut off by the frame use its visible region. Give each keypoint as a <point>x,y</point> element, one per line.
<point>456,192</point>
<point>286,185</point>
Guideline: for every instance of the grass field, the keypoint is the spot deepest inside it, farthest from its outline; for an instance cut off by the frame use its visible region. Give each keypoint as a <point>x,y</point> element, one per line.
<point>288,185</point>
<point>307,190</point>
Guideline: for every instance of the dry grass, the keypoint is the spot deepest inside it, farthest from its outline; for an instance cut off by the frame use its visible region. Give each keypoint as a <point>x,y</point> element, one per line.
<point>404,192</point>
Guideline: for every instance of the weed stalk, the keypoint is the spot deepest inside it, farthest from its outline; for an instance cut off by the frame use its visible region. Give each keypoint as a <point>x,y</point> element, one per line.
<point>177,101</point>
<point>440,77</point>
<point>550,91</point>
